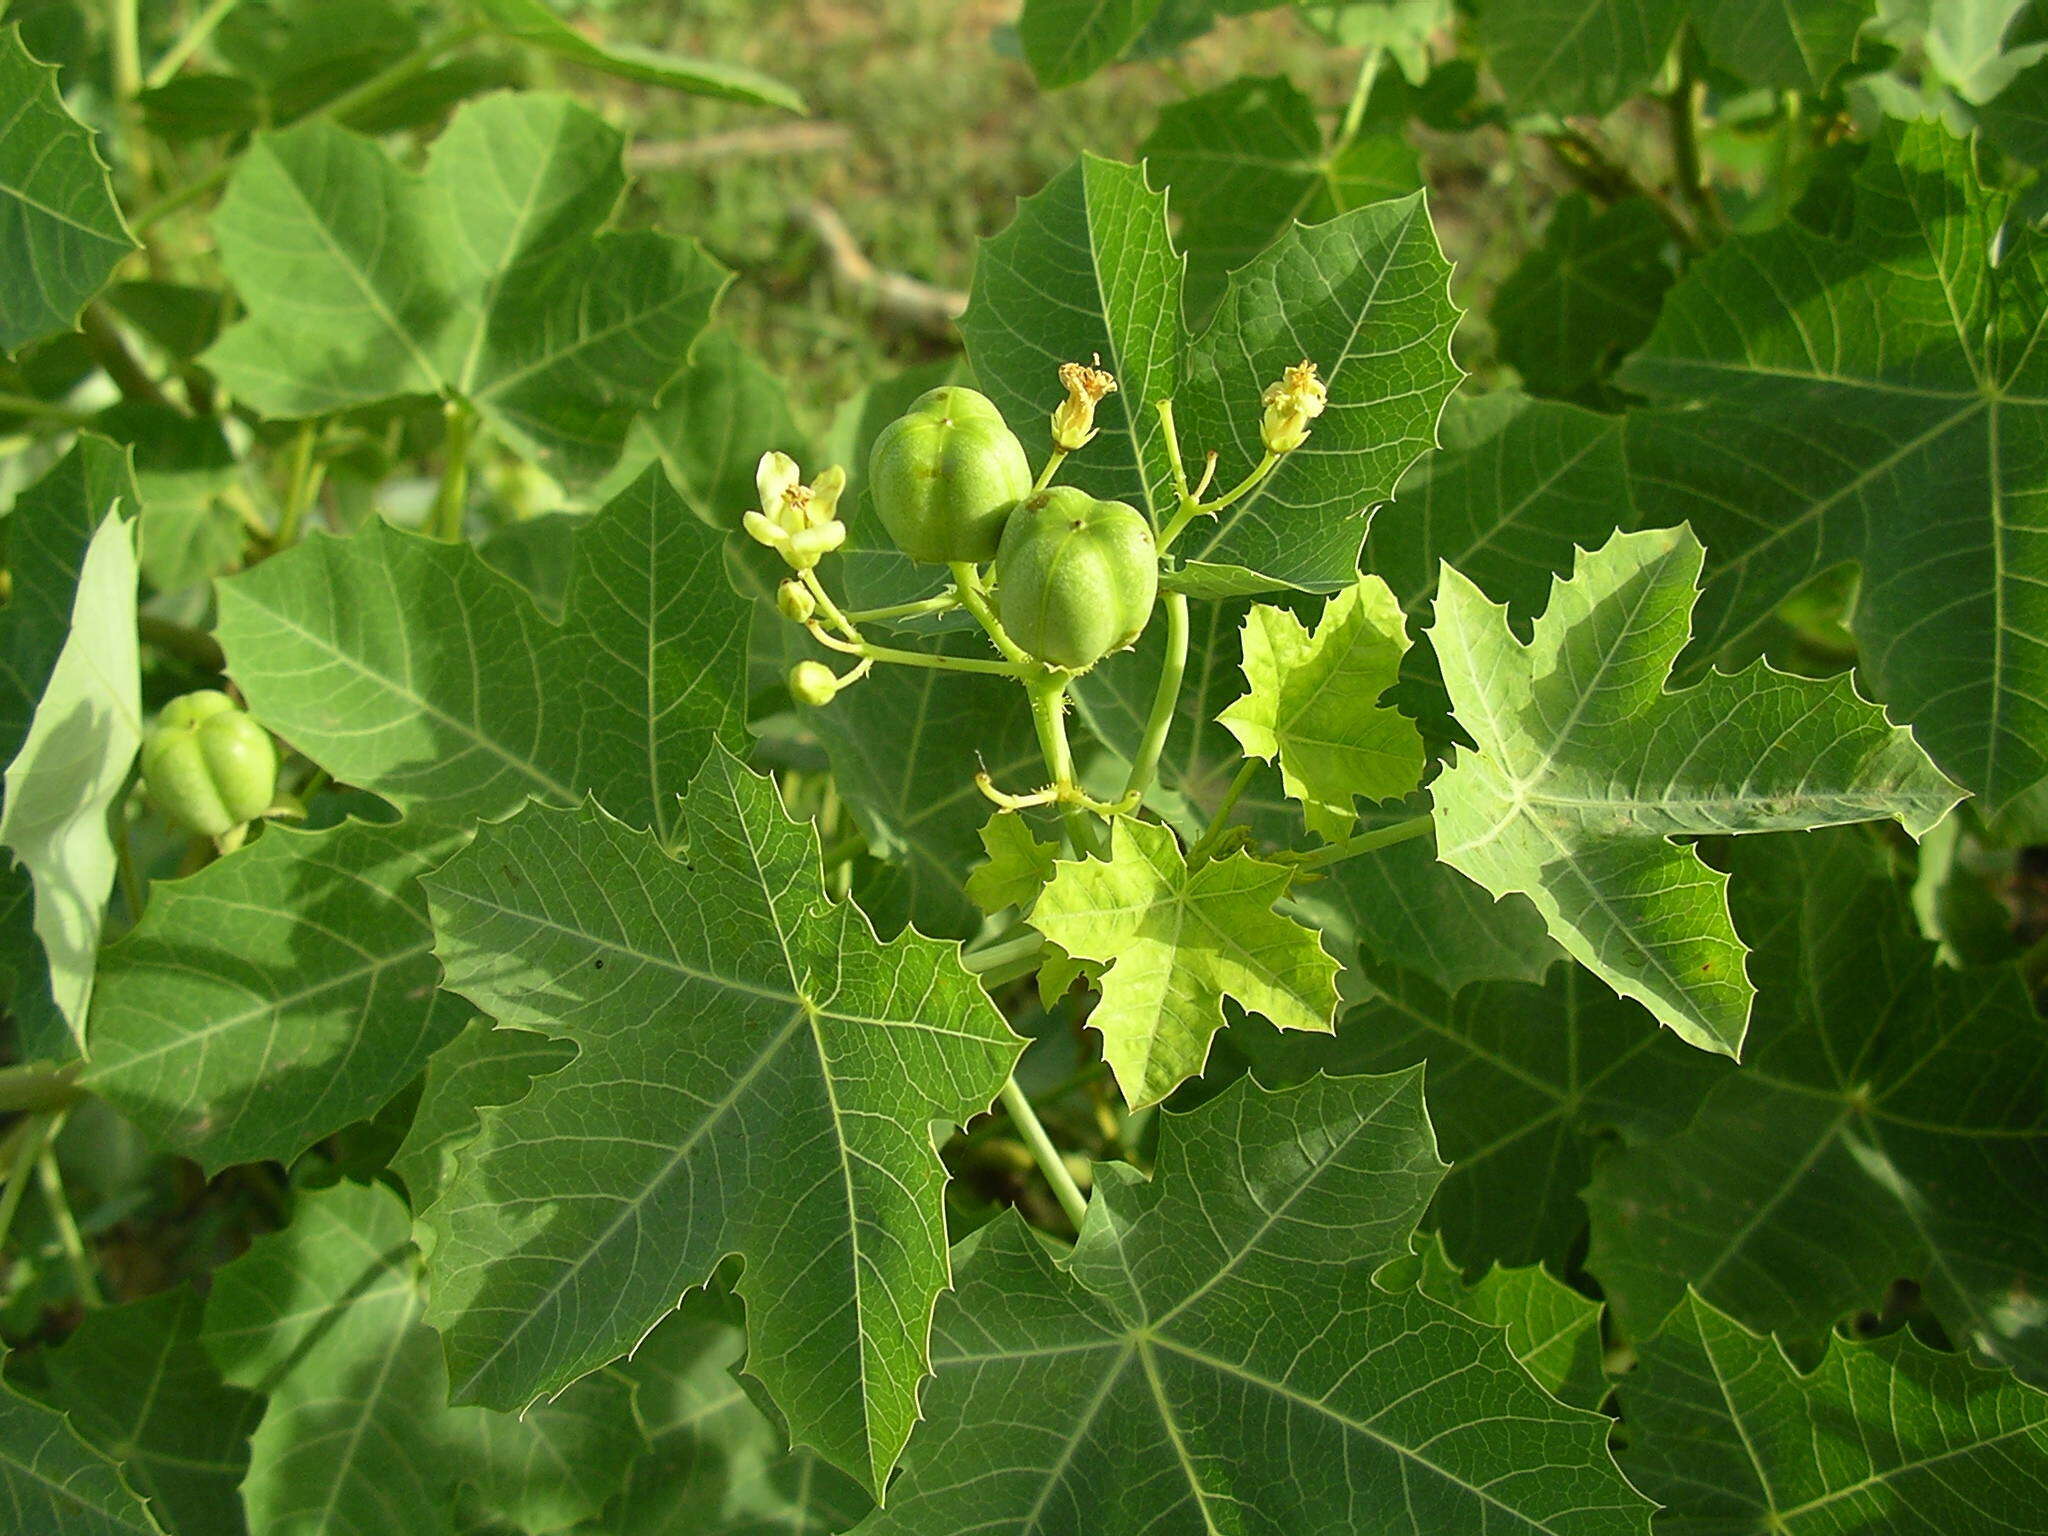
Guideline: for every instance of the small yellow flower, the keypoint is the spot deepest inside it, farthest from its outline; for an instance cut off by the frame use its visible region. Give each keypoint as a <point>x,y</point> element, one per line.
<point>1073,422</point>
<point>1291,404</point>
<point>800,522</point>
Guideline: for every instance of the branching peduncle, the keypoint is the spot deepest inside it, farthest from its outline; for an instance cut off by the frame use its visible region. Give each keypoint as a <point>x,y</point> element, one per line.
<point>974,597</point>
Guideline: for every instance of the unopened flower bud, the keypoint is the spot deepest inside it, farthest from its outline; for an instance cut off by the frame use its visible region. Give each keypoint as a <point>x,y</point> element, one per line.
<point>1291,404</point>
<point>812,683</point>
<point>1073,421</point>
<point>796,602</point>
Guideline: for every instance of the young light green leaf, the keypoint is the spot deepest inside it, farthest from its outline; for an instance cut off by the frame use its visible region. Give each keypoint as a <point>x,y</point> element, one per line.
<point>1586,295</point>
<point>716,1466</point>
<point>1877,399</point>
<point>1314,704</point>
<point>1586,768</point>
<point>756,1075</point>
<point>1068,40</point>
<point>324,1319</point>
<point>1881,1436</point>
<point>61,233</point>
<point>1551,1328</point>
<point>71,767</point>
<point>409,667</point>
<point>51,1480</point>
<point>1018,864</point>
<point>1247,159</point>
<point>275,996</point>
<point>1097,237</point>
<point>483,279</point>
<point>1526,1084</point>
<point>1217,1355</point>
<point>139,1387</point>
<point>1180,941</point>
<point>483,1065</point>
<point>1890,1123</point>
<point>1577,56</point>
<point>1366,297</point>
<point>533,23</point>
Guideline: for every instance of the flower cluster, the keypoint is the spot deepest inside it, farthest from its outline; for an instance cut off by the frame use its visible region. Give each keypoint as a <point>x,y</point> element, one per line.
<point>1291,404</point>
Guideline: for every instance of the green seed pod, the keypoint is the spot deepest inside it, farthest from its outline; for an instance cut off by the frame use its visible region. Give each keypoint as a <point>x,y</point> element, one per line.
<point>813,683</point>
<point>1075,577</point>
<point>944,475</point>
<point>208,766</point>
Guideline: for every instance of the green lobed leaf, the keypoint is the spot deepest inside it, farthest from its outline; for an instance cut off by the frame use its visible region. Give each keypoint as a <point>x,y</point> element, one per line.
<point>483,279</point>
<point>1068,40</point>
<point>1314,704</point>
<point>1788,45</point>
<point>1178,941</point>
<point>1886,1436</point>
<point>531,22</point>
<point>1586,768</point>
<point>140,1389</point>
<point>1244,161</point>
<point>1586,295</point>
<point>409,667</point>
<point>1216,1354</point>
<point>1577,56</point>
<point>1018,864</point>
<point>1891,1122</point>
<point>72,766</point>
<point>1551,1329</point>
<point>756,1074</point>
<point>277,995</point>
<point>51,1480</point>
<point>483,1065</point>
<point>1526,1085</point>
<point>324,1318</point>
<point>61,233</point>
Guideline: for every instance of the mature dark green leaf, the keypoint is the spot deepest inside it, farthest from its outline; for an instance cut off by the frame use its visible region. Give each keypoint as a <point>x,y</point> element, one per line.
<point>51,1480</point>
<point>185,534</point>
<point>756,1075</point>
<point>1878,399</point>
<point>538,26</point>
<point>1789,45</point>
<point>277,995</point>
<point>1587,767</point>
<point>1068,40</point>
<point>484,1065</point>
<point>2017,117</point>
<point>1177,942</point>
<point>483,279</point>
<point>1216,1354</point>
<point>140,1388</point>
<point>324,1319</point>
<point>1891,1122</point>
<point>1551,1328</point>
<point>1524,1082</point>
<point>1244,161</point>
<point>1586,295</point>
<point>1572,56</point>
<point>60,232</point>
<point>717,1467</point>
<point>410,667</point>
<point>1886,1438</point>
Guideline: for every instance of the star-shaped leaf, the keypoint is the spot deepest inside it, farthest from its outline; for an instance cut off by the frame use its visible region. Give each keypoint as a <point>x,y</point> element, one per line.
<point>1181,940</point>
<point>1891,1122</point>
<point>1018,866</point>
<point>1586,768</point>
<point>275,996</point>
<point>756,1074</point>
<point>1314,704</point>
<point>411,668</point>
<point>1217,1355</point>
<point>52,1480</point>
<point>1552,1329</point>
<point>482,1065</point>
<point>483,279</point>
<point>1586,295</point>
<point>1887,1436</point>
<point>60,231</point>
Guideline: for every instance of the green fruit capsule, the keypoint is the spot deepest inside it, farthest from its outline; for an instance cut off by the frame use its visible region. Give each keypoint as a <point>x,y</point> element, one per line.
<point>1075,577</point>
<point>944,475</point>
<point>209,767</point>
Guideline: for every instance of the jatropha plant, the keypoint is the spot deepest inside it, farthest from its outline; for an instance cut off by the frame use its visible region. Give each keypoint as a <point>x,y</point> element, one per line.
<point>1224,924</point>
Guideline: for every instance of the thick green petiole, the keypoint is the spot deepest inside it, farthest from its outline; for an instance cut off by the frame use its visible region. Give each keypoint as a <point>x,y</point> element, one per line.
<point>1363,842</point>
<point>1050,1163</point>
<point>1165,700</point>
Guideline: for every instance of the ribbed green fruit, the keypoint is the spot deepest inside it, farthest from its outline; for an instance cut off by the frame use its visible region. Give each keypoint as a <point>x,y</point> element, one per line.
<point>208,766</point>
<point>1075,577</point>
<point>944,476</point>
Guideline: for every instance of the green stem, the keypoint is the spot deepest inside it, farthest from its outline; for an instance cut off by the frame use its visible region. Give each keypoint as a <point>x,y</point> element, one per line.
<point>300,489</point>
<point>28,405</point>
<point>1165,700</point>
<point>124,46</point>
<point>935,661</point>
<point>52,1179</point>
<point>23,1146</point>
<point>1245,486</point>
<point>37,1087</point>
<point>1180,473</point>
<point>1364,842</point>
<point>1220,822</point>
<point>1052,467</point>
<point>195,37</point>
<point>195,647</point>
<point>945,602</point>
<point>974,596</point>
<point>133,892</point>
<point>1361,95</point>
<point>999,957</point>
<point>1049,715</point>
<point>1050,1163</point>
<point>109,349</point>
<point>448,501</point>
